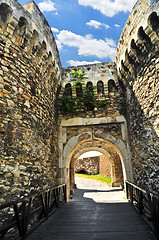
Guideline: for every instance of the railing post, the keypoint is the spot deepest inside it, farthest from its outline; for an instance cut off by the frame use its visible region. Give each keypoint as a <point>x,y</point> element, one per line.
<point>65,193</point>
<point>19,225</point>
<point>24,210</point>
<point>131,194</point>
<point>157,216</point>
<point>140,202</point>
<point>155,213</point>
<point>127,190</point>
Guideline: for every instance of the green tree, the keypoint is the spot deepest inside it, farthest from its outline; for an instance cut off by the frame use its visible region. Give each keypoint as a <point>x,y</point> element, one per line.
<point>84,99</point>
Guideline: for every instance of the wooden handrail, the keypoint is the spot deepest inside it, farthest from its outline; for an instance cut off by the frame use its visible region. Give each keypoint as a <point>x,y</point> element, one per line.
<point>8,204</point>
<point>146,203</point>
<point>30,211</point>
<point>141,189</point>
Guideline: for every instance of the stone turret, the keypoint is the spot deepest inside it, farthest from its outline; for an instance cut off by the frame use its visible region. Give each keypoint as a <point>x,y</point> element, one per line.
<point>30,74</point>
<point>138,68</point>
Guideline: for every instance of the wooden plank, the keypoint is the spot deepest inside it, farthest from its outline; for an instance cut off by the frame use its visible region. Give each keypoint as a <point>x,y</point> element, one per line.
<point>84,219</point>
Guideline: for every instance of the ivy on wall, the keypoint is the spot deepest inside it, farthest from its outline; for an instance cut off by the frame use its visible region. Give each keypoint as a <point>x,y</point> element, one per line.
<point>84,99</point>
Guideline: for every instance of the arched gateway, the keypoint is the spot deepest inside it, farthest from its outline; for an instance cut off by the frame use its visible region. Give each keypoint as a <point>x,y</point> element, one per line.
<point>80,135</point>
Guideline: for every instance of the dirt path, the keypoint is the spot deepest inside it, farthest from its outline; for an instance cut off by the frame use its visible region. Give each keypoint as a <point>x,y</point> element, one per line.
<point>101,192</point>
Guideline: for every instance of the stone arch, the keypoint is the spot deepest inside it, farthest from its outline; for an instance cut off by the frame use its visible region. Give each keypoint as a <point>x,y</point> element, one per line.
<point>21,27</point>
<point>79,92</point>
<point>20,32</point>
<point>100,87</point>
<point>153,21</point>
<point>68,90</point>
<point>89,96</point>
<point>123,67</point>
<point>145,39</point>
<point>22,23</point>
<point>130,62</point>
<point>89,85</point>
<point>47,67</point>
<point>111,87</point>
<point>34,42</point>
<point>5,12</point>
<point>42,50</point>
<point>79,153</point>
<point>73,146</point>
<point>135,49</point>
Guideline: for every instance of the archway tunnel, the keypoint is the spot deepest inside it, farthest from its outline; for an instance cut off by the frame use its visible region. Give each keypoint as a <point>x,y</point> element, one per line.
<point>116,169</point>
<point>119,165</point>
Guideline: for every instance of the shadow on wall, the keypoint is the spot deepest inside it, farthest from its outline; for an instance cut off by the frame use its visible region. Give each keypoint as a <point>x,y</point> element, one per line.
<point>142,121</point>
<point>138,69</point>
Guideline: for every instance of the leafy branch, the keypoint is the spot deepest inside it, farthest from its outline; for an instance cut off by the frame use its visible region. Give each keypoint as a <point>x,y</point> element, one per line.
<point>85,99</point>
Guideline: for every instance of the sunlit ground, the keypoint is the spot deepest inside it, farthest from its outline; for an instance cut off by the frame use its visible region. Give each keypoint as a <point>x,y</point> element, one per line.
<point>101,192</point>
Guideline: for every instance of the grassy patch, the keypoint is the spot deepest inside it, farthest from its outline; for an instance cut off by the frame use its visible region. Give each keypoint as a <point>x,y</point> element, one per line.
<point>98,177</point>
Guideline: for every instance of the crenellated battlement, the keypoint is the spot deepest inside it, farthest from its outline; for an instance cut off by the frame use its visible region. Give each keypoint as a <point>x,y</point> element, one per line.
<point>101,86</point>
<point>138,68</point>
<point>140,37</point>
<point>27,28</point>
<point>30,75</point>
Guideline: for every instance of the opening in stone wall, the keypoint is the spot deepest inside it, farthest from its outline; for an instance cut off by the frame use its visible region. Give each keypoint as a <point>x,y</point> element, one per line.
<point>93,165</point>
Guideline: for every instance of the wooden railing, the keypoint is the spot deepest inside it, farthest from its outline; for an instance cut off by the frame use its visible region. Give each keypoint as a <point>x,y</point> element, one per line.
<point>146,203</point>
<point>19,218</point>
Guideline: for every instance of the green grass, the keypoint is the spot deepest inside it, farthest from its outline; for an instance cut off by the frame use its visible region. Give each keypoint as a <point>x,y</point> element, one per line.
<point>98,177</point>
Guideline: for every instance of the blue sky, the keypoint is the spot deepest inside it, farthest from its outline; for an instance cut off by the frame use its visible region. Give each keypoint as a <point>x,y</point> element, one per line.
<point>86,31</point>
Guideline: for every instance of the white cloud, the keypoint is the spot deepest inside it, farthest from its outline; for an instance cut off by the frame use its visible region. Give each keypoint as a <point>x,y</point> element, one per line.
<point>87,45</point>
<point>78,63</point>
<point>110,42</point>
<point>55,30</point>
<point>109,7</point>
<point>106,26</point>
<point>96,24</point>
<point>47,6</point>
<point>117,25</point>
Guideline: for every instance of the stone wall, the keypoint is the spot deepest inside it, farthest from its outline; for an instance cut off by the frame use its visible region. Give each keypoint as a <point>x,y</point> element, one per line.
<point>96,124</point>
<point>35,150</point>
<point>30,73</point>
<point>89,165</point>
<point>138,66</point>
<point>105,166</point>
<point>106,88</point>
<point>94,165</point>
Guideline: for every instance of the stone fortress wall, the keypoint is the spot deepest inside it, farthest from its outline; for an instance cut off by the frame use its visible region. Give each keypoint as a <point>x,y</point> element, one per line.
<point>30,74</point>
<point>103,78</point>
<point>138,69</point>
<point>36,144</point>
<point>89,165</point>
<point>94,165</point>
<point>95,129</point>
<point>96,125</point>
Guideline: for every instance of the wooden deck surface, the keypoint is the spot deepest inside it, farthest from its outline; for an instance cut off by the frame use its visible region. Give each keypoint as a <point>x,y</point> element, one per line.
<point>84,219</point>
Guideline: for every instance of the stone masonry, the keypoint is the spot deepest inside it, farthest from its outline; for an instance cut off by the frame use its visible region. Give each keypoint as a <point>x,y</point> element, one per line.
<point>30,73</point>
<point>138,67</point>
<point>88,165</point>
<point>39,143</point>
<point>105,166</point>
<point>94,165</point>
<point>103,122</point>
